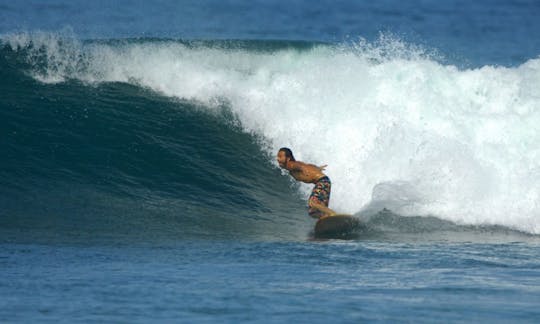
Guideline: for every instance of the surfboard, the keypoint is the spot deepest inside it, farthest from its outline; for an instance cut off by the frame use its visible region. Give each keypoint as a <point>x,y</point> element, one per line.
<point>337,226</point>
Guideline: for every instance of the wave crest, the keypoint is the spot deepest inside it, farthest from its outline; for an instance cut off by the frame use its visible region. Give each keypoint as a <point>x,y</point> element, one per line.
<point>389,119</point>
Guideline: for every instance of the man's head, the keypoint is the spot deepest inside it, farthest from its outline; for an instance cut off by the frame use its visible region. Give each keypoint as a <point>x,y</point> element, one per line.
<point>284,155</point>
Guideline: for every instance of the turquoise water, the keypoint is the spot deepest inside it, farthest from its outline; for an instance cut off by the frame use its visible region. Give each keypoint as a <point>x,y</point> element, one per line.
<point>138,181</point>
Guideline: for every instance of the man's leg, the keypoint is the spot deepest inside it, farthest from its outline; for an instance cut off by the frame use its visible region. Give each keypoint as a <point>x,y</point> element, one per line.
<point>323,209</point>
<point>319,199</point>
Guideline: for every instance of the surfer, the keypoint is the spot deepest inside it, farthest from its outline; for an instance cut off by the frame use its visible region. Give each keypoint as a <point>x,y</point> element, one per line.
<point>309,173</point>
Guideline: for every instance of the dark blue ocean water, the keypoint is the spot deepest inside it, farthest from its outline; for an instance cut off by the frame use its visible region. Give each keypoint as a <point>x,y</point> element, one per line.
<point>137,172</point>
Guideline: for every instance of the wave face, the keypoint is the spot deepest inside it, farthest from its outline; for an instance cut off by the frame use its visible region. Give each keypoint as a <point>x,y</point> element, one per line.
<point>397,128</point>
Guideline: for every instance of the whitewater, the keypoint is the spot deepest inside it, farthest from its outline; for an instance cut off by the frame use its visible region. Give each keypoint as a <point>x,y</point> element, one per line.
<point>398,127</point>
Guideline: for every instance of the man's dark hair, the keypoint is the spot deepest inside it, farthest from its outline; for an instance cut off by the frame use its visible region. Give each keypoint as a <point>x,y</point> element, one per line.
<point>288,152</point>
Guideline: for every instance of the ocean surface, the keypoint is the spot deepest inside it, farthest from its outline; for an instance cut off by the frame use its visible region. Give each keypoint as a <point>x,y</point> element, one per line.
<point>138,180</point>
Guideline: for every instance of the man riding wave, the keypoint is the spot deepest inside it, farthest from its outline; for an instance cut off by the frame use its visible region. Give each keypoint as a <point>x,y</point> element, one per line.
<point>309,173</point>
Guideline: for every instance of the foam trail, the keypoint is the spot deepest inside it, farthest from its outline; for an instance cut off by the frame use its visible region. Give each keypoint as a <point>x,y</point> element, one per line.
<point>396,127</point>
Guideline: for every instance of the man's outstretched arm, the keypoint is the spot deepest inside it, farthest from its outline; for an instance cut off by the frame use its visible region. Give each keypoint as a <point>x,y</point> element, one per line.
<point>321,168</point>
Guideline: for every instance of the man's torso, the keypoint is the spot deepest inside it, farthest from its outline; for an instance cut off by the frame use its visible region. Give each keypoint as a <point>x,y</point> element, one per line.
<point>306,173</point>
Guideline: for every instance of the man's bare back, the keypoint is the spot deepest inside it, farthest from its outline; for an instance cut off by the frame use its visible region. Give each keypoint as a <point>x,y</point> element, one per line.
<point>304,172</point>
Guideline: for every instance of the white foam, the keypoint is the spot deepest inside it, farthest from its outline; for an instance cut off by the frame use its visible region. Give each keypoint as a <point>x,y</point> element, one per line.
<point>396,128</point>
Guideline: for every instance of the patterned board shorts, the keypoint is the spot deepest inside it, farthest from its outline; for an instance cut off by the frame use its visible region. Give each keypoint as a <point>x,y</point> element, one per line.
<point>320,194</point>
